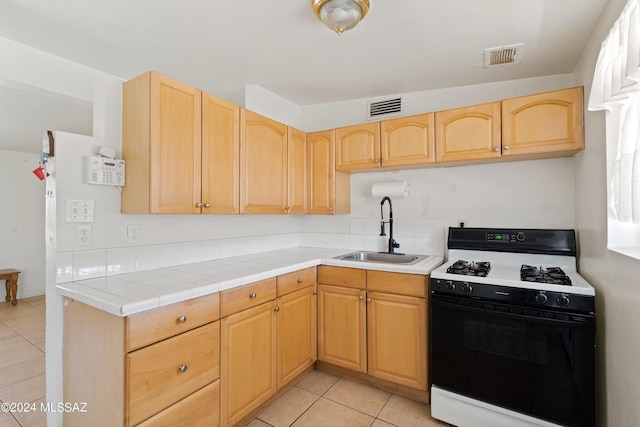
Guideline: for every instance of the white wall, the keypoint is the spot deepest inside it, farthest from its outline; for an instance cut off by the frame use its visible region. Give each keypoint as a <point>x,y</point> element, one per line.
<point>22,221</point>
<point>616,277</point>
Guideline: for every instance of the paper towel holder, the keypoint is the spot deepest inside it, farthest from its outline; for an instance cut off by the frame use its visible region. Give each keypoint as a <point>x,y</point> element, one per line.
<point>391,189</point>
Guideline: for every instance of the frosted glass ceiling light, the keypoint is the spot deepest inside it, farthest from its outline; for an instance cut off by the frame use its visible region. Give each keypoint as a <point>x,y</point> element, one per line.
<point>340,15</point>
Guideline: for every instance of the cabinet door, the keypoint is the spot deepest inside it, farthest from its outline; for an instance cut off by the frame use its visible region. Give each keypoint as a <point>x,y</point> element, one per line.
<point>220,155</point>
<point>469,133</point>
<point>175,146</point>
<point>322,174</point>
<point>297,153</point>
<point>358,147</point>
<point>342,327</point>
<point>248,361</point>
<point>397,339</point>
<point>263,169</point>
<point>407,141</point>
<point>543,123</point>
<point>297,338</point>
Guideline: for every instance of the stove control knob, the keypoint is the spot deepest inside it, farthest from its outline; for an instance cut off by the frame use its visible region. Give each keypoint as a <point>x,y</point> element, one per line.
<point>562,301</point>
<point>450,286</point>
<point>541,298</point>
<point>467,288</point>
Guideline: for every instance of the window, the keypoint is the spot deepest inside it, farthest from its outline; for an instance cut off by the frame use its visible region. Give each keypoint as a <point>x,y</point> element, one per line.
<point>616,89</point>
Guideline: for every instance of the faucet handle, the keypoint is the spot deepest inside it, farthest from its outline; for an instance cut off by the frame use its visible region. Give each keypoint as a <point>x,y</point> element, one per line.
<point>395,244</point>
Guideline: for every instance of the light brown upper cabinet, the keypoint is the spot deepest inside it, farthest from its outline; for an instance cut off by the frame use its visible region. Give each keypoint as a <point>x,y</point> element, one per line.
<point>264,164</point>
<point>468,133</point>
<point>548,122</point>
<point>297,175</point>
<point>358,147</point>
<point>220,156</point>
<point>329,191</point>
<point>180,146</point>
<point>407,141</point>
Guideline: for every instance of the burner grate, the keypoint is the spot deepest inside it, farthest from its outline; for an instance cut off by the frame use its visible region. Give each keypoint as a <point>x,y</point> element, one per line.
<point>466,268</point>
<point>552,275</point>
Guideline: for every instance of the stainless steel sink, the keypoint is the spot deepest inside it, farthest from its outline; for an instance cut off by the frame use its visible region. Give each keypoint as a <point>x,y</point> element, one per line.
<point>384,257</point>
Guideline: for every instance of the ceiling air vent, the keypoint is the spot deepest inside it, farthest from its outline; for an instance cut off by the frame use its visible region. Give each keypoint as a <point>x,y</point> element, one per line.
<point>384,108</point>
<point>496,56</point>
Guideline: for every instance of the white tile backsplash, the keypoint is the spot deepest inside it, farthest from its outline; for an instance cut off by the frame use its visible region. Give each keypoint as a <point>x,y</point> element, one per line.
<point>121,260</point>
<point>89,264</point>
<point>418,236</point>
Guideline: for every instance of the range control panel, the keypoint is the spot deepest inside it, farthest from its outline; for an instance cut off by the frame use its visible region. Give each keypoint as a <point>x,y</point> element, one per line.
<point>505,237</point>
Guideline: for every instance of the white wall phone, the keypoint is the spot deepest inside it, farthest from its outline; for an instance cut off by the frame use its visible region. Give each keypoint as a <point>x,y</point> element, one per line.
<point>105,171</point>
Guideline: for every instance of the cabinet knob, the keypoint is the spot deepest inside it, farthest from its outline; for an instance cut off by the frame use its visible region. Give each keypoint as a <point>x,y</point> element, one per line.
<point>506,147</point>
<point>286,208</point>
<point>182,368</point>
<point>330,209</point>
<point>253,295</point>
<point>315,293</point>
<point>299,280</point>
<point>382,160</point>
<point>368,299</point>
<point>182,319</point>
<point>207,205</point>
<point>496,149</point>
<point>199,205</point>
<point>277,309</point>
<point>376,160</point>
<point>361,297</point>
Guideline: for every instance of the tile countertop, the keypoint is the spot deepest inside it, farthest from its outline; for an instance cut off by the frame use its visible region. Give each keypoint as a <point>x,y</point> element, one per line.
<point>131,293</point>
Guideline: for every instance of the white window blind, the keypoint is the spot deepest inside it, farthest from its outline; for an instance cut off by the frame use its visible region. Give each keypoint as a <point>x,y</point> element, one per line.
<point>616,88</point>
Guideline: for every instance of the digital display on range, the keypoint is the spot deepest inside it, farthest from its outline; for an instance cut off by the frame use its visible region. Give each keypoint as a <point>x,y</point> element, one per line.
<point>505,237</point>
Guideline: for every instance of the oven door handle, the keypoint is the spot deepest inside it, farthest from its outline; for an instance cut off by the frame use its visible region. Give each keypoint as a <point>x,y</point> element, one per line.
<point>547,317</point>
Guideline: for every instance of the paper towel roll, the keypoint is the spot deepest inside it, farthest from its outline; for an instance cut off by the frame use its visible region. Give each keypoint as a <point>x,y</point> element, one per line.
<point>391,189</point>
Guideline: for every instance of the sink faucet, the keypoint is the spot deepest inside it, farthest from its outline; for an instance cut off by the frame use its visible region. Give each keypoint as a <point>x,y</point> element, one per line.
<point>392,243</point>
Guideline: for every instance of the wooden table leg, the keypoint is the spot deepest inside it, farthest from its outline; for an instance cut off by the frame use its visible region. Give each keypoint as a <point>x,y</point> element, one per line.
<point>14,288</point>
<point>7,285</point>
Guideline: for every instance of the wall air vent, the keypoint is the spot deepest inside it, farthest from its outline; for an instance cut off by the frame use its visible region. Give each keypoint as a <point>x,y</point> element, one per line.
<point>497,56</point>
<point>384,108</point>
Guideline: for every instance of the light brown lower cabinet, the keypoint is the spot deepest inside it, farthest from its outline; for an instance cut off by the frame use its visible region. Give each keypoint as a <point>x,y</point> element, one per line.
<point>145,369</point>
<point>342,315</point>
<point>248,362</point>
<point>297,338</point>
<point>378,328</point>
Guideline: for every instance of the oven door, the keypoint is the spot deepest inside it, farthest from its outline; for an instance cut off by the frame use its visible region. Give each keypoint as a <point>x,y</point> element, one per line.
<point>540,363</point>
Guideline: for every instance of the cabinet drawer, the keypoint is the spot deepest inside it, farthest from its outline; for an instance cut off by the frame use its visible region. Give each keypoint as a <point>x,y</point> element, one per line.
<point>397,283</point>
<point>155,325</point>
<point>247,296</point>
<point>200,409</point>
<point>342,276</point>
<point>162,374</point>
<point>293,281</point>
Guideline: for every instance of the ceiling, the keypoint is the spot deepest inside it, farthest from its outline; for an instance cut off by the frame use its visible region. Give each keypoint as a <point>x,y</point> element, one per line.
<point>221,46</point>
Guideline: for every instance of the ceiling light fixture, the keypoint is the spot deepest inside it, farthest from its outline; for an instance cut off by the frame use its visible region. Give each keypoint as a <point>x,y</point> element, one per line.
<point>340,15</point>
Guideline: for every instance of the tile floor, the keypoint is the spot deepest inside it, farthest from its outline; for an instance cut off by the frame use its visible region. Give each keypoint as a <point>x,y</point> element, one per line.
<point>319,399</point>
<point>322,399</point>
<point>22,360</point>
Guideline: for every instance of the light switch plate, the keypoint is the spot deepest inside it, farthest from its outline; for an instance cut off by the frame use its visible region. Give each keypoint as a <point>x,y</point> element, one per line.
<point>79,210</point>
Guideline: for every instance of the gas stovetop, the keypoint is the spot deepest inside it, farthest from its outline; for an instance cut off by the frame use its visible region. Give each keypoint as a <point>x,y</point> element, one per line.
<point>527,271</point>
<point>511,269</point>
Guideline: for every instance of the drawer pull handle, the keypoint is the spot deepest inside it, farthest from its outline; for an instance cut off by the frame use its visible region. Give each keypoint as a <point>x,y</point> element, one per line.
<point>182,319</point>
<point>253,295</point>
<point>368,299</point>
<point>299,280</point>
<point>361,297</point>
<point>277,309</point>
<point>182,368</point>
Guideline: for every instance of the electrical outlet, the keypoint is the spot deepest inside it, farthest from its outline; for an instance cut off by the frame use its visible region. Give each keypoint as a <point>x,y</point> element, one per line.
<point>83,235</point>
<point>133,234</point>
